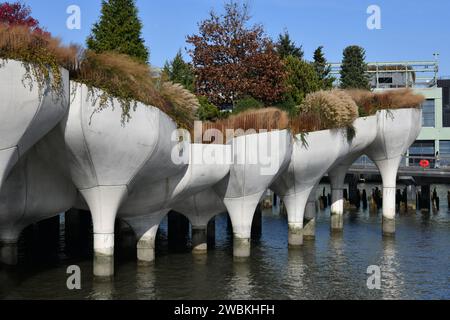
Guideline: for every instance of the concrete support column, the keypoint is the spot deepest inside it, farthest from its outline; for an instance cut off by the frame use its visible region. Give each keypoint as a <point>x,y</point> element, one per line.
<point>199,240</point>
<point>104,202</point>
<point>146,246</point>
<point>8,252</point>
<point>103,254</point>
<point>295,206</point>
<point>241,211</point>
<point>337,180</point>
<point>389,194</point>
<point>146,228</point>
<point>337,209</point>
<point>241,247</point>
<point>309,223</point>
<point>295,234</point>
<point>388,169</point>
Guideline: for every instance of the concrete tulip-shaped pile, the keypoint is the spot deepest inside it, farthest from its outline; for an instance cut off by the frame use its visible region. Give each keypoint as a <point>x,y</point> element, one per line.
<point>139,170</point>
<point>258,159</point>
<point>27,114</point>
<point>107,160</point>
<point>37,188</point>
<point>206,166</point>
<point>396,132</point>
<point>309,162</point>
<point>384,138</point>
<point>34,184</point>
<point>366,131</point>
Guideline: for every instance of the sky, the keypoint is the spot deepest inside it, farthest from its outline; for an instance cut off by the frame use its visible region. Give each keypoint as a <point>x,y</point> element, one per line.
<point>410,29</point>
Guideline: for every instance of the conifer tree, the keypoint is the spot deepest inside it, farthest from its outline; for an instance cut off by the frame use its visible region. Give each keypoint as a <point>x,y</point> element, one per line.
<point>286,47</point>
<point>323,69</point>
<point>354,69</point>
<point>119,29</point>
<point>179,71</point>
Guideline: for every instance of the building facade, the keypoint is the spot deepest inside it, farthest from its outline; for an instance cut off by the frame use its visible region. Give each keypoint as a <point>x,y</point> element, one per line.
<point>422,77</point>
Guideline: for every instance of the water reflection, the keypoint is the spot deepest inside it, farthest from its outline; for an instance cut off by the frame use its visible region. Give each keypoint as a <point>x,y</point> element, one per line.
<point>300,271</point>
<point>145,282</point>
<point>392,277</point>
<point>241,282</point>
<point>102,289</point>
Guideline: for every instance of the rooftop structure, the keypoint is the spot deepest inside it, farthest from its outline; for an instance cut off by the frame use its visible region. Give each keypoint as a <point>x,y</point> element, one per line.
<point>400,74</point>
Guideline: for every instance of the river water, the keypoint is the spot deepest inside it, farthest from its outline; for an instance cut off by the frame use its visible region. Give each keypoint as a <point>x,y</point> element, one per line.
<point>414,265</point>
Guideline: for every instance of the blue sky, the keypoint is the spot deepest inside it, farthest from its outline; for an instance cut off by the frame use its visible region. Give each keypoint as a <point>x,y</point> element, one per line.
<point>411,29</point>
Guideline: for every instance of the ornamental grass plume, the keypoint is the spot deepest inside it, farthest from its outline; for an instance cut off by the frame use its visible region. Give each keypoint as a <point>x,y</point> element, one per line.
<point>370,102</point>
<point>185,104</point>
<point>334,108</point>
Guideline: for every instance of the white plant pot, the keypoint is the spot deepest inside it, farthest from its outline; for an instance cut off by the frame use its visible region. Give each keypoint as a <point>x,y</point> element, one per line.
<point>26,116</point>
<point>307,166</point>
<point>397,131</point>
<point>108,160</point>
<point>258,159</point>
<point>38,187</point>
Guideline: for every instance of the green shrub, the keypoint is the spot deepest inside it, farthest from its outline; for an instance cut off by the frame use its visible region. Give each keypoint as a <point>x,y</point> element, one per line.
<point>207,111</point>
<point>247,103</point>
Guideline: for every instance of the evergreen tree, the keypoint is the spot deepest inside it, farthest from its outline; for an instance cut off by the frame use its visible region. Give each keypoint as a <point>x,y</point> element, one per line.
<point>119,30</point>
<point>286,47</point>
<point>179,71</point>
<point>302,79</point>
<point>354,69</point>
<point>323,69</point>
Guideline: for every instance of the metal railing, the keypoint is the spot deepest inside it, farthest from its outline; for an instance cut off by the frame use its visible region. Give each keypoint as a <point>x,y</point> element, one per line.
<point>442,162</point>
<point>417,73</point>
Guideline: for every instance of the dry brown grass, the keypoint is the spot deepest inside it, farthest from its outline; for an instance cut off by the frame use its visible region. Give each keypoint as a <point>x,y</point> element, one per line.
<point>121,77</point>
<point>269,119</point>
<point>18,42</point>
<point>370,102</point>
<point>41,54</point>
<point>129,80</point>
<point>185,103</point>
<point>117,75</point>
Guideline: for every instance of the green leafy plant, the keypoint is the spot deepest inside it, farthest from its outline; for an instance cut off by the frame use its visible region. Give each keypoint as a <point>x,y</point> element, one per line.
<point>207,111</point>
<point>247,103</point>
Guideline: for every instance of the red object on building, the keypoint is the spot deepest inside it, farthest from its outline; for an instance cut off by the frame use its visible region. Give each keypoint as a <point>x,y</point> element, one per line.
<point>424,163</point>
